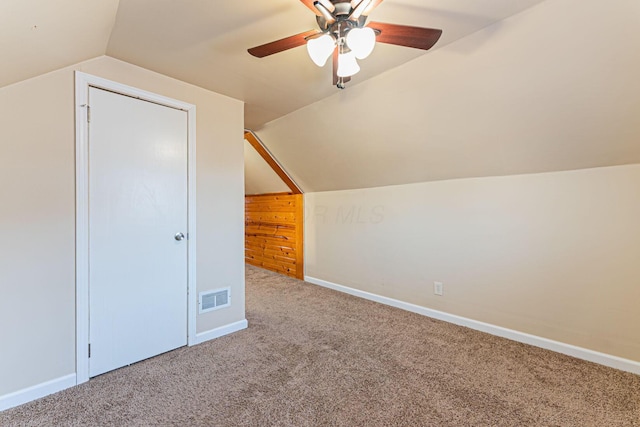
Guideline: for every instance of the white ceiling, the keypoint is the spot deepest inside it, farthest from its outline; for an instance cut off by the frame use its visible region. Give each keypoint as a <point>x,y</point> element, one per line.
<point>38,36</point>
<point>205,42</point>
<point>513,86</point>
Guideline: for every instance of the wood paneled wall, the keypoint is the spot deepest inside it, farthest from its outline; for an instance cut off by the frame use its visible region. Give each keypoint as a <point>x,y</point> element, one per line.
<point>273,232</point>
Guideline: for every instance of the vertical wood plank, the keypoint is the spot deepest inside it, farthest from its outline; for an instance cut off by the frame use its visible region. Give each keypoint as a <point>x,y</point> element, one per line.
<point>274,233</point>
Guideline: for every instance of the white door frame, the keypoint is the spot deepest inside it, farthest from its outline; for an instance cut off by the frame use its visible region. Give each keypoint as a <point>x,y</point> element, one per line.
<point>83,82</point>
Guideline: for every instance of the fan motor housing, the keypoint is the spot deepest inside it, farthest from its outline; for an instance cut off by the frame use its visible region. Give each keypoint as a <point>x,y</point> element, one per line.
<point>343,10</point>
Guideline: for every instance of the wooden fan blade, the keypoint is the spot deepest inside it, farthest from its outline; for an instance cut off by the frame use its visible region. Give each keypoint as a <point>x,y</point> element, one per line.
<point>372,6</point>
<point>335,69</point>
<point>309,4</point>
<point>404,35</point>
<point>281,45</point>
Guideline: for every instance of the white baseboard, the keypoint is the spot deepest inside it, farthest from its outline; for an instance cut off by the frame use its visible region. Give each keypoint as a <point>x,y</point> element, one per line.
<point>557,346</point>
<point>219,332</point>
<point>36,392</point>
<point>41,390</point>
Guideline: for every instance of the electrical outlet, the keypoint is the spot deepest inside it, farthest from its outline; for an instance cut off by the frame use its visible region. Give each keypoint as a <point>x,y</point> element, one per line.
<point>438,288</point>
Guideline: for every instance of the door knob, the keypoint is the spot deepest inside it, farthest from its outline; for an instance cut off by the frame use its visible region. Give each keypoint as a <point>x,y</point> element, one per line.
<point>179,236</point>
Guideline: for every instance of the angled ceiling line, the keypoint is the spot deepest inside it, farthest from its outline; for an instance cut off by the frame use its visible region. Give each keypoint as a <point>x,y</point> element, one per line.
<point>257,144</point>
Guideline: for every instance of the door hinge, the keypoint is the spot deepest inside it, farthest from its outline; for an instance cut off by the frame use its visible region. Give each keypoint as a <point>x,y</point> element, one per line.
<point>88,114</point>
<point>89,350</point>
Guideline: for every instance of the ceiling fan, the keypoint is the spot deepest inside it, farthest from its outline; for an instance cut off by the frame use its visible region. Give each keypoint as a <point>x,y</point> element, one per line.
<point>345,36</point>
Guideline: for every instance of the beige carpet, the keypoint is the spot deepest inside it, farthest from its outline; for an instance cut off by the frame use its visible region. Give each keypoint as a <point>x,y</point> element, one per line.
<point>314,357</point>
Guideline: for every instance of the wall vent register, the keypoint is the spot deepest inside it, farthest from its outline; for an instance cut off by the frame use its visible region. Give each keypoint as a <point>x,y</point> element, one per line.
<point>213,300</point>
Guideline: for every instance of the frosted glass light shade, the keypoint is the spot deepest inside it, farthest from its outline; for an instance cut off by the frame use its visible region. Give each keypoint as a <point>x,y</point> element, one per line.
<point>361,41</point>
<point>320,49</point>
<point>347,64</point>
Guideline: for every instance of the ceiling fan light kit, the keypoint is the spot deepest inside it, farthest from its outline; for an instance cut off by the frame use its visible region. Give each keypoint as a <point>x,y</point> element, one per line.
<point>358,43</point>
<point>361,41</point>
<point>347,64</point>
<point>321,48</point>
<point>344,35</point>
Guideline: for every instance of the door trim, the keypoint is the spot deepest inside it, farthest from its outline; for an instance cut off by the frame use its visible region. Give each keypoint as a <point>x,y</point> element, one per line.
<point>82,83</point>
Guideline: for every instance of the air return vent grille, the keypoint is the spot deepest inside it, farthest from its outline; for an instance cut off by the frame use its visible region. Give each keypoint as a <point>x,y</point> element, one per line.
<point>213,300</point>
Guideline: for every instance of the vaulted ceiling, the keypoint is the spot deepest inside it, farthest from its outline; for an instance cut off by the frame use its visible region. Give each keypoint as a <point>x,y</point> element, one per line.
<point>205,42</point>
<point>553,88</point>
<point>513,86</point>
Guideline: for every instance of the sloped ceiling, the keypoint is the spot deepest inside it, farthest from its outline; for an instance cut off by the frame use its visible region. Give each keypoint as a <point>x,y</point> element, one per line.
<point>205,42</point>
<point>259,178</point>
<point>38,36</point>
<point>513,86</point>
<point>555,87</point>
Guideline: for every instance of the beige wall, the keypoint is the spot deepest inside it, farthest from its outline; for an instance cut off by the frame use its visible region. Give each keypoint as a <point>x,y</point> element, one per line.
<point>554,254</point>
<point>37,267</point>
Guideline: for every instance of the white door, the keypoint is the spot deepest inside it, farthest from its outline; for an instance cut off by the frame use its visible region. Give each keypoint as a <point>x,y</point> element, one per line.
<point>137,210</point>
